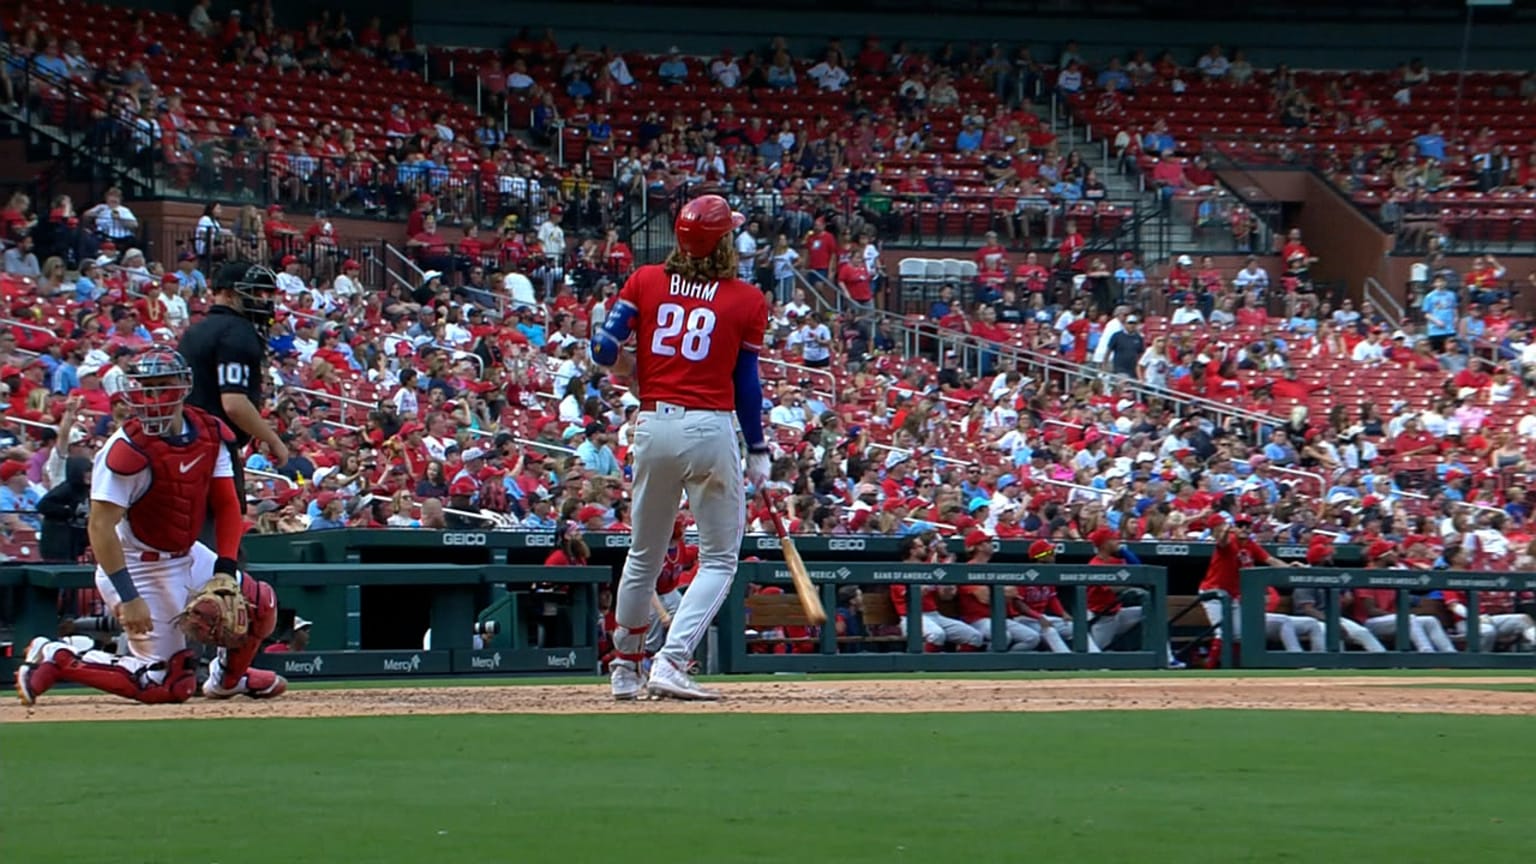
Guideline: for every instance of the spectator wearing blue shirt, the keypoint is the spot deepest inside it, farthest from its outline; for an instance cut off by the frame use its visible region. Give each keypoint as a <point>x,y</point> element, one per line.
<point>18,500</point>
<point>1158,140</point>
<point>66,375</point>
<point>595,453</point>
<point>969,139</point>
<point>600,129</point>
<point>673,70</point>
<point>1432,143</point>
<point>532,330</point>
<point>51,61</point>
<point>1113,77</point>
<point>578,86</point>
<point>1439,307</point>
<point>331,515</point>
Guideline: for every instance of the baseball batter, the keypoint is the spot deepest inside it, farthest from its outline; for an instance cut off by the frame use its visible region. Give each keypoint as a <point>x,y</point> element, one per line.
<point>152,486</point>
<point>698,331</point>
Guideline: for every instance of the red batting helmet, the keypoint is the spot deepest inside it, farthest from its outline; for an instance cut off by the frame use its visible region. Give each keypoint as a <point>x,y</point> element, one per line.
<point>701,224</point>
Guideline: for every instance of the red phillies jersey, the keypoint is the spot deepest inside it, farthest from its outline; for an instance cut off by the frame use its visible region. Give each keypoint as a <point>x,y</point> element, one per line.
<point>170,516</point>
<point>680,559</point>
<point>899,599</point>
<point>1040,600</point>
<point>688,336</point>
<point>972,606</point>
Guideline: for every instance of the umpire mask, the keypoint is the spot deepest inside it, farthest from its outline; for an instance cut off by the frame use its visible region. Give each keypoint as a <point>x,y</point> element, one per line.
<point>256,287</point>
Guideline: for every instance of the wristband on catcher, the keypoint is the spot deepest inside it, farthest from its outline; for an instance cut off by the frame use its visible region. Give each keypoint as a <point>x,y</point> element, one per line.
<point>227,565</point>
<point>122,583</point>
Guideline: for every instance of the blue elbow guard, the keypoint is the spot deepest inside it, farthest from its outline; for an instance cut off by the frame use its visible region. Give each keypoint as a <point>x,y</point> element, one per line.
<point>615,331</point>
<point>749,399</point>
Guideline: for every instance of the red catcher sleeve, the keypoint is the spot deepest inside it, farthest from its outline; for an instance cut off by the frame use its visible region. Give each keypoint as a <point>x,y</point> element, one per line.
<point>228,524</point>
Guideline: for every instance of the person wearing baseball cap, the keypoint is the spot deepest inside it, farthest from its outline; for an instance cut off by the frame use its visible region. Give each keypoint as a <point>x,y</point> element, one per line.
<point>1376,608</point>
<point>975,601</point>
<point>1308,602</point>
<point>1235,550</point>
<point>331,512</point>
<point>1042,551</point>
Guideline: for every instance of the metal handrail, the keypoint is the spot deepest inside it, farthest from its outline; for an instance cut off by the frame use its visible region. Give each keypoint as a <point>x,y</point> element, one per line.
<point>1322,483</point>
<point>252,472</point>
<point>392,253</point>
<point>331,397</point>
<point>806,371</point>
<point>1383,300</point>
<point>1011,357</point>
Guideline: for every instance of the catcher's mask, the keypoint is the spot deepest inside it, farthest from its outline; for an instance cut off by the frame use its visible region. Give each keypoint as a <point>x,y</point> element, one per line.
<point>255,286</point>
<point>159,381</point>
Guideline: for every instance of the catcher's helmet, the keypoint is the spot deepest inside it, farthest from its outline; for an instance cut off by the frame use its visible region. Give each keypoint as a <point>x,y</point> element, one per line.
<point>158,383</point>
<point>702,222</point>
<point>255,285</point>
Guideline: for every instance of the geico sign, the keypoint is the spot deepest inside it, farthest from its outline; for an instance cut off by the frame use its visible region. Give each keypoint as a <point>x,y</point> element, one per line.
<point>843,544</point>
<point>1171,549</point>
<point>457,539</point>
<point>617,541</point>
<point>539,540</point>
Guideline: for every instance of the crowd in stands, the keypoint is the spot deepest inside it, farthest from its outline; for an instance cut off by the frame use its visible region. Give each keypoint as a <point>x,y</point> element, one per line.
<point>470,400</point>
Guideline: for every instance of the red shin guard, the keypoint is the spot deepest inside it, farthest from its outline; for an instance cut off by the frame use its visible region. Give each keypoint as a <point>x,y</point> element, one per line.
<point>179,682</point>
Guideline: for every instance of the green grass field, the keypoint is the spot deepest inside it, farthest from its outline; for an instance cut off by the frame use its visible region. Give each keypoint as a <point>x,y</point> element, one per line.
<point>1207,786</point>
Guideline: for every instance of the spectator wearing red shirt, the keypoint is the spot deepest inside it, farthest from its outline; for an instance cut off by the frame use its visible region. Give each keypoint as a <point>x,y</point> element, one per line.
<point>1070,252</point>
<point>573,551</point>
<point>1414,440</point>
<point>1031,276</point>
<point>820,251</point>
<point>1234,551</point>
<point>280,234</point>
<point>993,255</point>
<point>855,281</point>
<point>431,248</point>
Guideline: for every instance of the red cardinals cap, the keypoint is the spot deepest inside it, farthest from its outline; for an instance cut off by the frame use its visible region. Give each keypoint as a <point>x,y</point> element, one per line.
<point>1320,550</point>
<point>10,468</point>
<point>1100,536</point>
<point>591,511</point>
<point>1041,549</point>
<point>463,486</point>
<point>701,224</point>
<point>1380,548</point>
<point>324,499</point>
<point>976,538</point>
<point>350,264</point>
<point>290,259</point>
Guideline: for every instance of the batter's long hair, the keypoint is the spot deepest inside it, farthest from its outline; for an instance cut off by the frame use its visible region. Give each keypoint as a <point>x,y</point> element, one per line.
<point>721,263</point>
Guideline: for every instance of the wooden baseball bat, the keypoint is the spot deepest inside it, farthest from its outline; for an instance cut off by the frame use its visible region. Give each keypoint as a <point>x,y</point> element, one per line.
<point>809,594</point>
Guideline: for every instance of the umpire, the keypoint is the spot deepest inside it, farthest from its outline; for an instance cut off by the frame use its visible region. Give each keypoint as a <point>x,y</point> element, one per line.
<point>227,351</point>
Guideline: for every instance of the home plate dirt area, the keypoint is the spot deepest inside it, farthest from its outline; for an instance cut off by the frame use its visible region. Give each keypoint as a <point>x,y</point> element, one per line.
<point>1418,695</point>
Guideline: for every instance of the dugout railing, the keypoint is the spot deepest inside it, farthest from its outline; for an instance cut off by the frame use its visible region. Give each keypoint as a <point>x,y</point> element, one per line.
<point>834,654</point>
<point>1412,587</point>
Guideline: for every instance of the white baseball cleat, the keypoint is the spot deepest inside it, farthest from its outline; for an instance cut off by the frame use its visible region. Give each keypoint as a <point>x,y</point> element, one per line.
<point>667,680</point>
<point>628,683</point>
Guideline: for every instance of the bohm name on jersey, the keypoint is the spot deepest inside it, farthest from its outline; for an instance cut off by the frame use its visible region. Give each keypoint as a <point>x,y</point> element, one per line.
<point>681,287</point>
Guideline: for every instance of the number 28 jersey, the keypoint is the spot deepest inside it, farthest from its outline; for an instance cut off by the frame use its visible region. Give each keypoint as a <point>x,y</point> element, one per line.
<point>689,334</point>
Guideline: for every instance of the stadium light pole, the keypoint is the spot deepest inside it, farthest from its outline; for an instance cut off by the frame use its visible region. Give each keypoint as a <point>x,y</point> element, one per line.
<point>1466,50</point>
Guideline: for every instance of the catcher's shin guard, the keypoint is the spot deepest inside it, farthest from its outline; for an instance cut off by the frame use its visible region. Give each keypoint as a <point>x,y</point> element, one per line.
<point>93,669</point>
<point>236,661</point>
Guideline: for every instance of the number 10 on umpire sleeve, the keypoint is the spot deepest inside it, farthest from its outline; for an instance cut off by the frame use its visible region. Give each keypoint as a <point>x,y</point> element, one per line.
<point>234,375</point>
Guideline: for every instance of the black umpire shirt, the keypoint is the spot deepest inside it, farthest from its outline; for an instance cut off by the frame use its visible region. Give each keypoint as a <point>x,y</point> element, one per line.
<point>227,356</point>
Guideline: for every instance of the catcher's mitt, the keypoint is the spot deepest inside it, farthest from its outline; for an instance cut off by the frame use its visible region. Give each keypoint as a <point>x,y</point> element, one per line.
<point>216,614</point>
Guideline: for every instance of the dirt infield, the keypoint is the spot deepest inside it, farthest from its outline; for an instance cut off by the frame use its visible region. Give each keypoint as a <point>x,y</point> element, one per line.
<point>870,695</point>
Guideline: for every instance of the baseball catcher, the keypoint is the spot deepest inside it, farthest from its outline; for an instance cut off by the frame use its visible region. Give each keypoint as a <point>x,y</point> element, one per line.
<point>152,486</point>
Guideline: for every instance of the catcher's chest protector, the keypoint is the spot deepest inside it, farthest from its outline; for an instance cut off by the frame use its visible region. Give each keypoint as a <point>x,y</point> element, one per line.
<point>171,514</point>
